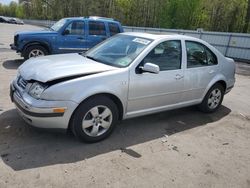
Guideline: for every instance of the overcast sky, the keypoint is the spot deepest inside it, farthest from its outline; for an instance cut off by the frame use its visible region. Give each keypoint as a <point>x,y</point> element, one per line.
<point>6,2</point>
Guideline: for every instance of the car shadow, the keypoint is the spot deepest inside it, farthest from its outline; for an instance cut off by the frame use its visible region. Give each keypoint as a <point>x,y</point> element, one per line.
<point>13,64</point>
<point>23,147</point>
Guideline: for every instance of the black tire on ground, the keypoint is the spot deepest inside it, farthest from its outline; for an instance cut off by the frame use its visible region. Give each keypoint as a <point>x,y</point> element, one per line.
<point>33,48</point>
<point>83,113</point>
<point>206,105</point>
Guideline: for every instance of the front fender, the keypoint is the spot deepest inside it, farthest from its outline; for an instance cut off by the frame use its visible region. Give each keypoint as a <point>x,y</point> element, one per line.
<point>80,89</point>
<point>42,43</point>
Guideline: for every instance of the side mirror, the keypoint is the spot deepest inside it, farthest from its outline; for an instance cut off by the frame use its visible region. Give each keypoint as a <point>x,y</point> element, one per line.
<point>66,32</point>
<point>151,68</point>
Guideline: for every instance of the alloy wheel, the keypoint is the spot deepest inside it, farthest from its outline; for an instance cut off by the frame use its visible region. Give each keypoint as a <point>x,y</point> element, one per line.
<point>214,98</point>
<point>36,53</point>
<point>97,121</point>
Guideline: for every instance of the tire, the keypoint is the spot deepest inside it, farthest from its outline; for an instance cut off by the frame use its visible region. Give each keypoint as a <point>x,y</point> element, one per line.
<point>94,119</point>
<point>213,99</point>
<point>35,51</point>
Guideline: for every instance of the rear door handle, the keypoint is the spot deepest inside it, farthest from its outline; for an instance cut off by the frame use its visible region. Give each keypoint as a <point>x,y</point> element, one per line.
<point>178,76</point>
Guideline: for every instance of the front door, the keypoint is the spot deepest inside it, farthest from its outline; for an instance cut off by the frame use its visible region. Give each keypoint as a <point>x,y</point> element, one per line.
<point>149,92</point>
<point>73,39</point>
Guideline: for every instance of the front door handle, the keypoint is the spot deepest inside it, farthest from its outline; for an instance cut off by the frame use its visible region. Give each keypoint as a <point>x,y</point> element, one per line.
<point>80,38</point>
<point>178,76</point>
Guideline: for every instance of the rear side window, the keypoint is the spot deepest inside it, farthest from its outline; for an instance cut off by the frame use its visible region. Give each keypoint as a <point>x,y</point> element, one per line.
<point>97,28</point>
<point>199,55</point>
<point>113,28</point>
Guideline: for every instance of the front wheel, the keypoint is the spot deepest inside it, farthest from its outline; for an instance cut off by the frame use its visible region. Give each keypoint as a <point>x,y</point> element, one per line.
<point>35,51</point>
<point>94,119</point>
<point>213,99</point>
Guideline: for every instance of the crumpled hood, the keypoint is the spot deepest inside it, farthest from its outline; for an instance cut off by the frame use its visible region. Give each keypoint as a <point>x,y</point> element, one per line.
<point>53,67</point>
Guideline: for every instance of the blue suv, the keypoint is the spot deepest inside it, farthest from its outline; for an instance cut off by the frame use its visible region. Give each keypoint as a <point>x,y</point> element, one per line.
<point>66,36</point>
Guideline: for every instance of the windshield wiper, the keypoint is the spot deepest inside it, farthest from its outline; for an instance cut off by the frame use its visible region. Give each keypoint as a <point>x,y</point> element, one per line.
<point>95,59</point>
<point>92,58</point>
<point>101,61</point>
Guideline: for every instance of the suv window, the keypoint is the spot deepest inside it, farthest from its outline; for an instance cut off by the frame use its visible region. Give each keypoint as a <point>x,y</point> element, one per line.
<point>166,55</point>
<point>199,55</point>
<point>76,28</point>
<point>113,28</point>
<point>97,28</point>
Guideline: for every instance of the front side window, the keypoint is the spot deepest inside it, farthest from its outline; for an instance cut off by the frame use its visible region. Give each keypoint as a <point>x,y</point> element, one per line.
<point>166,55</point>
<point>199,55</point>
<point>58,25</point>
<point>75,28</point>
<point>97,28</point>
<point>113,28</point>
<point>119,50</point>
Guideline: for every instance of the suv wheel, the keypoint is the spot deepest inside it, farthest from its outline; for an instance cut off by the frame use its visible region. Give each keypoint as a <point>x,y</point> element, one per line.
<point>35,51</point>
<point>213,99</point>
<point>94,119</point>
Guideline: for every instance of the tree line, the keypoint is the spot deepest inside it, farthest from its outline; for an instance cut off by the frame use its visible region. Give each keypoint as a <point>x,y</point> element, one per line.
<point>211,15</point>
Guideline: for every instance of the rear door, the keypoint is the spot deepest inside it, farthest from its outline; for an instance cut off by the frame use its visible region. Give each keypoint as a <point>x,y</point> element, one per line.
<point>73,38</point>
<point>202,67</point>
<point>97,33</point>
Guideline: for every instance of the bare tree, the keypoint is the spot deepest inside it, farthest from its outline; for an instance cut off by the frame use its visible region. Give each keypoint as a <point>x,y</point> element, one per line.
<point>247,18</point>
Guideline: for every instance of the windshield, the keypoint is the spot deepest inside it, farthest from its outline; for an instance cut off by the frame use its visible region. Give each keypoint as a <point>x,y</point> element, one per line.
<point>118,51</point>
<point>57,26</point>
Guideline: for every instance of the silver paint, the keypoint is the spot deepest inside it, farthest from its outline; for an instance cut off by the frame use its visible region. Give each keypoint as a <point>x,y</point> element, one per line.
<point>139,94</point>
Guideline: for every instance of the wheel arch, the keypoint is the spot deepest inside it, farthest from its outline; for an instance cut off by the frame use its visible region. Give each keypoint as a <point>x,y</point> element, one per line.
<point>219,80</point>
<point>223,83</point>
<point>43,44</point>
<point>113,97</point>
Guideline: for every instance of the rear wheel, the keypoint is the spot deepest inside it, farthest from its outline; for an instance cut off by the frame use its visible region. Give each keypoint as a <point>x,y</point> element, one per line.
<point>213,99</point>
<point>35,51</point>
<point>94,119</point>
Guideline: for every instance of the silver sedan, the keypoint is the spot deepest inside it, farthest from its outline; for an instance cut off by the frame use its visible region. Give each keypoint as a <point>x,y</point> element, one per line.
<point>128,75</point>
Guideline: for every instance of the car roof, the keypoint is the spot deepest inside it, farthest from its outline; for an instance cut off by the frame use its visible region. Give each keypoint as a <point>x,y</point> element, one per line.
<point>93,18</point>
<point>154,36</point>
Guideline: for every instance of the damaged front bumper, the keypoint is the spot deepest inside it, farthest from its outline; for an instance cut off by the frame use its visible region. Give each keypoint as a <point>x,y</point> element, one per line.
<point>41,113</point>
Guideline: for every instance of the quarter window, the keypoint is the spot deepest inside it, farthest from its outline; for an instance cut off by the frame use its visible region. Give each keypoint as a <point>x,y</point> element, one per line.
<point>113,28</point>
<point>76,28</point>
<point>199,55</point>
<point>166,55</point>
<point>97,28</point>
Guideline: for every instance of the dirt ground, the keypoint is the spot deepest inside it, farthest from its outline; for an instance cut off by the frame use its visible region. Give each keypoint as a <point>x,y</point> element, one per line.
<point>179,148</point>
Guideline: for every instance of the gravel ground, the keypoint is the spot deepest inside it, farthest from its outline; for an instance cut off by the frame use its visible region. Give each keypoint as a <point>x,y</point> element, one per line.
<point>179,148</point>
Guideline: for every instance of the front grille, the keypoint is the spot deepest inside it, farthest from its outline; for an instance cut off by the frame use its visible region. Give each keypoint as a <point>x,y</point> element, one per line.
<point>21,82</point>
<point>15,40</point>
